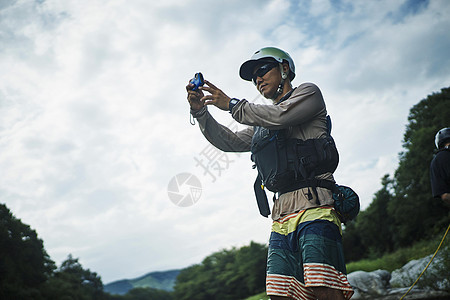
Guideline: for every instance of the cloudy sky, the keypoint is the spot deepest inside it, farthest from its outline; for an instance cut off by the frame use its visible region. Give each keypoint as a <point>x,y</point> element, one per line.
<point>95,131</point>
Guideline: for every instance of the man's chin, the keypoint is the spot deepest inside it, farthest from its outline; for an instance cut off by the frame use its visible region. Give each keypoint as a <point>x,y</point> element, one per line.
<point>267,95</point>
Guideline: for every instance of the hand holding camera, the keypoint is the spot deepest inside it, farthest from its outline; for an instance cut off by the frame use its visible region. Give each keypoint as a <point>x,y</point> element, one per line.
<point>194,94</point>
<point>197,99</point>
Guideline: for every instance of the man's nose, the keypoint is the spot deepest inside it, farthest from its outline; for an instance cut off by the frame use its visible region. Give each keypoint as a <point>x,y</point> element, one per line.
<point>258,80</point>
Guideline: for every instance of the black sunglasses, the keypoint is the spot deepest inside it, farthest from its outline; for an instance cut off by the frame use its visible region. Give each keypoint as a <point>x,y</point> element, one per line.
<point>261,71</point>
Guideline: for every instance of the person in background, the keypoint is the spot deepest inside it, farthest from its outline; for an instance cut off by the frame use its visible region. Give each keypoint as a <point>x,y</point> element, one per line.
<point>440,167</point>
<point>305,257</point>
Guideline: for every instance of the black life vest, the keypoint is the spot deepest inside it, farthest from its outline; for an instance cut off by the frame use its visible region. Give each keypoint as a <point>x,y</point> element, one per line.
<point>287,164</point>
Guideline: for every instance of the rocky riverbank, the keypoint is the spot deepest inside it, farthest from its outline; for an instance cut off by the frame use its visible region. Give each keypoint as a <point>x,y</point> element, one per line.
<point>381,284</point>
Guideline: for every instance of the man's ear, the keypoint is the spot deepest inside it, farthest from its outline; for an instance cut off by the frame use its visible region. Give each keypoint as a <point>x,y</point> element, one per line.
<point>286,69</point>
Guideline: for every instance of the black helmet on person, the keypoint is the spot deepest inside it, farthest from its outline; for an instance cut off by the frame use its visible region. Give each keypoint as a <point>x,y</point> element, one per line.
<point>442,137</point>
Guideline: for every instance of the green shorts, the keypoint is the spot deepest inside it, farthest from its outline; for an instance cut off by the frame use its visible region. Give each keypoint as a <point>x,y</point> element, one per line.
<point>305,250</point>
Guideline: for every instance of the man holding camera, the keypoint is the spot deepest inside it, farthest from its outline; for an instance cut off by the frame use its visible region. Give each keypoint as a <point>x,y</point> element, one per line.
<point>305,259</point>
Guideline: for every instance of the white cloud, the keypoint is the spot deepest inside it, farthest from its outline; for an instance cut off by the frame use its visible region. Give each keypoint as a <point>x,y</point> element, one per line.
<point>95,120</point>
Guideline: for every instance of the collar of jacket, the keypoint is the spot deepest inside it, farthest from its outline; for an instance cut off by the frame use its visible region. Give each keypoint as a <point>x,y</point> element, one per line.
<point>285,97</point>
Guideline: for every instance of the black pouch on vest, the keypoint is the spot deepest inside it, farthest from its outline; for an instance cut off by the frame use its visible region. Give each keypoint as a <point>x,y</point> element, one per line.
<point>315,156</point>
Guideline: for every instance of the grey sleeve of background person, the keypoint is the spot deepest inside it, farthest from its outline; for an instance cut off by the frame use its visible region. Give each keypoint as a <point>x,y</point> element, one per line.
<point>220,136</point>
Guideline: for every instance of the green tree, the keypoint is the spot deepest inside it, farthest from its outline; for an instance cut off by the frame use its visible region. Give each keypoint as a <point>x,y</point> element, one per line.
<point>415,213</point>
<point>403,211</point>
<point>72,282</point>
<point>354,249</point>
<point>375,222</point>
<point>147,294</point>
<point>369,235</point>
<point>24,264</point>
<point>227,274</point>
<point>251,267</point>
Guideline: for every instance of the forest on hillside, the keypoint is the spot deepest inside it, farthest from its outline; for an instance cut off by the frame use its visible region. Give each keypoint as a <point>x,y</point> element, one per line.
<point>401,213</point>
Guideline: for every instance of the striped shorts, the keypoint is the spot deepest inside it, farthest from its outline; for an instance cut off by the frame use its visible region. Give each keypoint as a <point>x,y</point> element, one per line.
<point>305,250</point>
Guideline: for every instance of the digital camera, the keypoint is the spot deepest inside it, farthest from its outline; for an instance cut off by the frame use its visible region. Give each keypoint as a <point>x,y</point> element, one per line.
<point>197,81</point>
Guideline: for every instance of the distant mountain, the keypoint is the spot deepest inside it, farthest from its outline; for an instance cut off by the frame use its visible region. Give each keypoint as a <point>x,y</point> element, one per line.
<point>164,280</point>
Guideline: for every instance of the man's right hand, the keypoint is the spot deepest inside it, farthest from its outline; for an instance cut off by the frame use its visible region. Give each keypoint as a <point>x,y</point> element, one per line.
<point>194,97</point>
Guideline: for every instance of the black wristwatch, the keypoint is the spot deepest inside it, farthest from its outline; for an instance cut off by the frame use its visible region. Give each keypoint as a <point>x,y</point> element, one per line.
<point>232,103</point>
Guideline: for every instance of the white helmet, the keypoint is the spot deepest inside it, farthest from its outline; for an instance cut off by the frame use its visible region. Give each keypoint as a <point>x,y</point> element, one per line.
<point>247,68</point>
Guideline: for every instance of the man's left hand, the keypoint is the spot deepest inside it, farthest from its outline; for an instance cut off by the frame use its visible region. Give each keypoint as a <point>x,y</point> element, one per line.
<point>217,97</point>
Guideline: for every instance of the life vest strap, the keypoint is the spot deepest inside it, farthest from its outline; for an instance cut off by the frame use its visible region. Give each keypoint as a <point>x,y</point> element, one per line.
<point>323,183</point>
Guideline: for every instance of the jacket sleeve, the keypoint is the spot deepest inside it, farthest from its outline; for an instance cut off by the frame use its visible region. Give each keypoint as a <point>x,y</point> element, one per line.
<point>221,136</point>
<point>305,104</point>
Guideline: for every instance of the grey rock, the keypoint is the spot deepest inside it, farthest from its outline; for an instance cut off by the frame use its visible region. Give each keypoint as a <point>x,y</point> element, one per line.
<point>407,275</point>
<point>369,284</point>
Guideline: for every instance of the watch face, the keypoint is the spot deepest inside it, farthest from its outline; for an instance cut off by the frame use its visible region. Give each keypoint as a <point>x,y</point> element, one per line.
<point>233,102</point>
